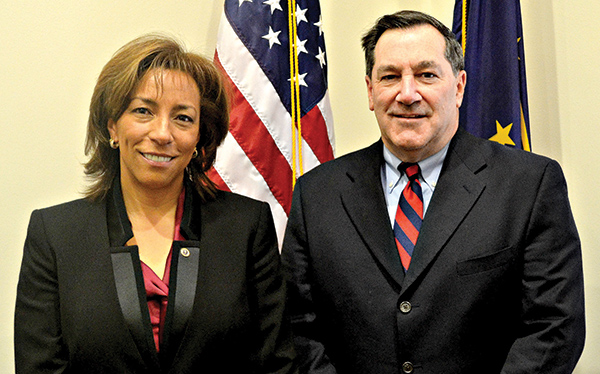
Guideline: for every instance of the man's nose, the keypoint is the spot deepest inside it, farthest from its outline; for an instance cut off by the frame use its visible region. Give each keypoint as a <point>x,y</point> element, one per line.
<point>408,92</point>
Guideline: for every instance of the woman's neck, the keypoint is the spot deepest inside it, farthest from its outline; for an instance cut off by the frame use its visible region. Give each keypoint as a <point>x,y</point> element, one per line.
<point>151,209</point>
<point>152,216</point>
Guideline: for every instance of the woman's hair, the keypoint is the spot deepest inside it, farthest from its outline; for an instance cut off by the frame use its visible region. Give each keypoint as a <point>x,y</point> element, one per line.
<point>120,78</point>
<point>408,19</point>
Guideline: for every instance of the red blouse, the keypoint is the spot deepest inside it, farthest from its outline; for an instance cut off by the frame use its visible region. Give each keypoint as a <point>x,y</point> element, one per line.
<point>157,290</point>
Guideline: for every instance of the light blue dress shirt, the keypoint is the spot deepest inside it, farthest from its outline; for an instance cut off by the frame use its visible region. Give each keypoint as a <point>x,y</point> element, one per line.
<point>393,183</point>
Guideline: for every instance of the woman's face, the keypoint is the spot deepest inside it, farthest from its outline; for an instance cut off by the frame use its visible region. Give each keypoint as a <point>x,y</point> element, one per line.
<point>158,131</point>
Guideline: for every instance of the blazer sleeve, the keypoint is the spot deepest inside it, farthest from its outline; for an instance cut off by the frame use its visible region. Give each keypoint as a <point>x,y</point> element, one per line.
<point>552,330</point>
<point>39,346</point>
<point>312,357</point>
<point>275,352</point>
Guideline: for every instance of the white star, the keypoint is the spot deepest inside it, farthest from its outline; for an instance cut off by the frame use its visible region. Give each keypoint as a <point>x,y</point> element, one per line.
<point>300,46</point>
<point>321,58</point>
<point>300,15</point>
<point>320,25</point>
<point>301,81</point>
<point>272,37</point>
<point>242,1</point>
<point>274,4</point>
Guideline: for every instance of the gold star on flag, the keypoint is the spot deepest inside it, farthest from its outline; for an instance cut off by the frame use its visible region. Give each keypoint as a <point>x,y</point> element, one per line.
<point>502,134</point>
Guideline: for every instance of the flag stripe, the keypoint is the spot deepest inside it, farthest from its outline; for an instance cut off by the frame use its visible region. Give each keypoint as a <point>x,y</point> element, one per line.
<point>253,50</point>
<point>240,176</point>
<point>260,148</point>
<point>316,135</point>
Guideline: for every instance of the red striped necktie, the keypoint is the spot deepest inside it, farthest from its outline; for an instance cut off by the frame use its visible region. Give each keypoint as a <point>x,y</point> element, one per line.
<point>409,214</point>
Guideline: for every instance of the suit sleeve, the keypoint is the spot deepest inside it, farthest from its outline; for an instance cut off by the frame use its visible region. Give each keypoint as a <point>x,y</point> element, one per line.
<point>275,350</point>
<point>312,356</point>
<point>552,330</point>
<point>38,341</point>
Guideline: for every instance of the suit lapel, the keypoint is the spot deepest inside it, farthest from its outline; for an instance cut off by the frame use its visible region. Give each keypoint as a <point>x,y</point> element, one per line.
<point>365,205</point>
<point>457,190</point>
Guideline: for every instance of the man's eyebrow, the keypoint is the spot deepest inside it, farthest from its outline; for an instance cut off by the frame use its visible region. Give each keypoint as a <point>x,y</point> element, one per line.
<point>427,64</point>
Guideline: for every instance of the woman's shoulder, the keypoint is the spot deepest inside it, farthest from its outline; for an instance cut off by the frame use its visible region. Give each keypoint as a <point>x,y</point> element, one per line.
<point>234,206</point>
<point>79,210</point>
<point>227,197</point>
<point>70,206</point>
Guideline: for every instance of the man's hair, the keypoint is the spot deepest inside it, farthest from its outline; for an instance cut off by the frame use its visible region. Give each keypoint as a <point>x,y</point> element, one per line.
<point>119,79</point>
<point>407,19</point>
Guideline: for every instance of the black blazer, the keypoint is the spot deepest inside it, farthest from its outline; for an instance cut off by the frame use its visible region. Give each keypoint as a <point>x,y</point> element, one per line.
<point>81,303</point>
<point>495,283</point>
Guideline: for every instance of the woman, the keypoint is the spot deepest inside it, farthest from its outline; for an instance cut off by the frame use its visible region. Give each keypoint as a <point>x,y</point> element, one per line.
<point>154,271</point>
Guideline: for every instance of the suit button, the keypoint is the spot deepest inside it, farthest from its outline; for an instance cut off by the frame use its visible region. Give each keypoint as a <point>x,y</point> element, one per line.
<point>405,307</point>
<point>407,367</point>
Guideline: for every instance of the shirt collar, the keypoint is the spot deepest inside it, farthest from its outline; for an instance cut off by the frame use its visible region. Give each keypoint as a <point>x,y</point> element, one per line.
<point>431,167</point>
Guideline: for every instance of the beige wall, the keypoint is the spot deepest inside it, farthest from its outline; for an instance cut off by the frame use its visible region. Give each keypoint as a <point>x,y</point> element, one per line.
<point>52,53</point>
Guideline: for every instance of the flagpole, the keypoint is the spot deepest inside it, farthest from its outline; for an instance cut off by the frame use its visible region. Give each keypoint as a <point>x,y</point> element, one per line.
<point>295,94</point>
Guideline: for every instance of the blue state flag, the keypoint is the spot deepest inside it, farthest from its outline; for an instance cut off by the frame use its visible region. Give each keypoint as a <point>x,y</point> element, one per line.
<point>495,102</point>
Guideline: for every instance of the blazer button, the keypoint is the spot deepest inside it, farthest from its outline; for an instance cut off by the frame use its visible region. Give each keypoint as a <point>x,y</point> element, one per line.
<point>407,367</point>
<point>185,252</point>
<point>405,307</point>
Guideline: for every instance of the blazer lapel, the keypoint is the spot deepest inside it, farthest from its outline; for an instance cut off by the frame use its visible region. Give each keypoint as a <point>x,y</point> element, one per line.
<point>129,280</point>
<point>457,190</point>
<point>185,267</point>
<point>365,204</point>
<point>126,269</point>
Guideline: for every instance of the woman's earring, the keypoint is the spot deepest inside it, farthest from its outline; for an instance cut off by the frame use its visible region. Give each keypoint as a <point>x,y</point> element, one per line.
<point>195,154</point>
<point>113,144</point>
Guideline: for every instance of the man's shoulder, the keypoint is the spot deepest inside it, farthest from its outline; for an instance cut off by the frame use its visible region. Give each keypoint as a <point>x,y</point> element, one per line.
<point>496,154</point>
<point>368,157</point>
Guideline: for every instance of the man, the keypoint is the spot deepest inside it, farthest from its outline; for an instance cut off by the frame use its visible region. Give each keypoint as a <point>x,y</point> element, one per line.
<point>494,282</point>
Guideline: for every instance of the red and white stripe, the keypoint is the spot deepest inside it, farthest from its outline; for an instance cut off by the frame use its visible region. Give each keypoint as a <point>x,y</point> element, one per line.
<point>256,157</point>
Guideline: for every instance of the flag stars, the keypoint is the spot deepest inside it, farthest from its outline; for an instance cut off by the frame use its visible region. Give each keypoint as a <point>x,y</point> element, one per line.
<point>503,134</point>
<point>243,1</point>
<point>320,25</point>
<point>321,58</point>
<point>301,46</point>
<point>301,15</point>
<point>272,37</point>
<point>274,4</point>
<point>301,80</point>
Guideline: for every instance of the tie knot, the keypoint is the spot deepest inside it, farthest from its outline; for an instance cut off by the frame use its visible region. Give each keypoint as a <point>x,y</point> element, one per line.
<point>411,169</point>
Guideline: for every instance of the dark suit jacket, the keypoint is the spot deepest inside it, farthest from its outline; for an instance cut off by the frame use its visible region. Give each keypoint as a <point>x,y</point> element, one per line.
<point>495,283</point>
<point>81,303</point>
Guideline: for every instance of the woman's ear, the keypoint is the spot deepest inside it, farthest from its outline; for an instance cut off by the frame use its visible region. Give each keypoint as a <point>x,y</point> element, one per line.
<point>112,130</point>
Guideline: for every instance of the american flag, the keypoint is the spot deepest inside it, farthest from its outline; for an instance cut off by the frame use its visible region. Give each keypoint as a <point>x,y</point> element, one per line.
<point>261,156</point>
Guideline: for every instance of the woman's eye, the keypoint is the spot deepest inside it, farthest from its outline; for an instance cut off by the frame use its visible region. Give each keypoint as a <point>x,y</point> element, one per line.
<point>141,110</point>
<point>184,118</point>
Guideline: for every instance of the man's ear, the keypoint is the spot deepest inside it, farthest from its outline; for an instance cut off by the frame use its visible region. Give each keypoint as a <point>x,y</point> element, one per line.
<point>461,82</point>
<point>370,92</point>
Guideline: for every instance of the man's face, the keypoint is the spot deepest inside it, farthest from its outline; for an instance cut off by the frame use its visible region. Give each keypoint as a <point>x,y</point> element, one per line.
<point>414,93</point>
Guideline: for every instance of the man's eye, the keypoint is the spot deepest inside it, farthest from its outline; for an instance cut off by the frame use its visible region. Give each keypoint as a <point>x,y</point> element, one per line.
<point>428,75</point>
